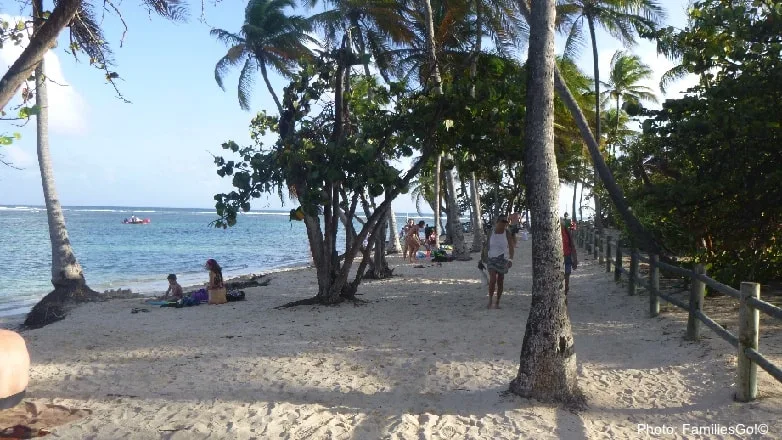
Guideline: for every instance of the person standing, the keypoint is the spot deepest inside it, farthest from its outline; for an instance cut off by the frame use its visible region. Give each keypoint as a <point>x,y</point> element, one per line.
<point>498,250</point>
<point>403,237</point>
<point>569,249</point>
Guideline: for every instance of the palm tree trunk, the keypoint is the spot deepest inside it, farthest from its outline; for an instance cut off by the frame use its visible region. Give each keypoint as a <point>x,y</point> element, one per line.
<point>575,190</point>
<point>547,366</point>
<point>434,73</point>
<point>67,276</point>
<point>43,38</point>
<point>437,190</point>
<point>394,246</point>
<point>265,76</point>
<point>454,223</point>
<point>643,238</point>
<point>596,67</point>
<point>477,221</point>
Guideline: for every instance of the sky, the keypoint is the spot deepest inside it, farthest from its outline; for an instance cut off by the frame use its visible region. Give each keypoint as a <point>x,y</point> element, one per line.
<point>157,150</point>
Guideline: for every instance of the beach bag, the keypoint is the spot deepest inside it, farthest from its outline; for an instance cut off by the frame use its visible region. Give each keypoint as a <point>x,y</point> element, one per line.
<point>235,296</point>
<point>439,256</point>
<point>200,295</point>
<point>218,296</point>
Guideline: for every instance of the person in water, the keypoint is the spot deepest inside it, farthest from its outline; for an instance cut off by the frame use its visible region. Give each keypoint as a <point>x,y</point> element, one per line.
<point>216,289</point>
<point>174,289</point>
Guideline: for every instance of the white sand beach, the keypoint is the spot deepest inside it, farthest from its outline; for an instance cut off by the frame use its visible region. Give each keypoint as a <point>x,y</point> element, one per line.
<point>422,359</point>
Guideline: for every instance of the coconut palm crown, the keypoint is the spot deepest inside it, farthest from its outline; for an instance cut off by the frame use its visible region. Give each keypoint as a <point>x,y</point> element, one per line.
<point>268,38</point>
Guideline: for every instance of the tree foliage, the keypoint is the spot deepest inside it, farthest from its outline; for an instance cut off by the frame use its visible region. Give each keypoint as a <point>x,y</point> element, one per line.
<point>709,180</point>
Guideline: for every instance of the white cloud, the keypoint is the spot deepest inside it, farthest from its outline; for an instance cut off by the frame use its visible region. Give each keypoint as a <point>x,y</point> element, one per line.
<point>67,109</point>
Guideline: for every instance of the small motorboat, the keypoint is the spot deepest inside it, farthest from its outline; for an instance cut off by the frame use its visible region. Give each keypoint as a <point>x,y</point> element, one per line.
<point>136,221</point>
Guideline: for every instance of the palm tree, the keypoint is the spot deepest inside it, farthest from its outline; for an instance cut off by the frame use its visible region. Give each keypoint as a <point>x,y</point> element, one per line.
<point>67,275</point>
<point>547,365</point>
<point>623,83</point>
<point>268,38</point>
<point>620,18</point>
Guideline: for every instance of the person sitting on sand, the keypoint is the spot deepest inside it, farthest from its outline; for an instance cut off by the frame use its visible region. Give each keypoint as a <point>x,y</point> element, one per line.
<point>413,240</point>
<point>174,289</point>
<point>215,288</point>
<point>14,369</point>
<point>498,250</point>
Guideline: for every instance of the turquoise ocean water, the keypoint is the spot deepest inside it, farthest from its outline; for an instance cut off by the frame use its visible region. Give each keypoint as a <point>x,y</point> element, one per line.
<point>116,255</point>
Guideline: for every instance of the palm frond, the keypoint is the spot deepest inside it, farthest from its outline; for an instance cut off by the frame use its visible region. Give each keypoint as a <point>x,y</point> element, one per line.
<point>175,10</point>
<point>232,58</point>
<point>246,82</point>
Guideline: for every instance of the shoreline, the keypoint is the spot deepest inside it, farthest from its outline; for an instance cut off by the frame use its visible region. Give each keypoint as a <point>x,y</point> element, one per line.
<point>15,321</point>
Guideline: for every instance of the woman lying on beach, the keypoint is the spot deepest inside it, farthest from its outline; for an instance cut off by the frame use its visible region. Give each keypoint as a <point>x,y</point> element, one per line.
<point>216,289</point>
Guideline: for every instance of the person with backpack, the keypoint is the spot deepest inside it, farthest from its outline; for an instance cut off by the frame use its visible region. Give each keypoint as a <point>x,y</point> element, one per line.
<point>497,255</point>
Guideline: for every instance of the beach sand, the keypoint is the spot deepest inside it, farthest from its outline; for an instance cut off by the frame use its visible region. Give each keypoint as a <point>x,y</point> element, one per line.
<point>422,359</point>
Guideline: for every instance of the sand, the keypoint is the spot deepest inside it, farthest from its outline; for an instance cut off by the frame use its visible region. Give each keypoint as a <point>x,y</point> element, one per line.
<point>422,359</point>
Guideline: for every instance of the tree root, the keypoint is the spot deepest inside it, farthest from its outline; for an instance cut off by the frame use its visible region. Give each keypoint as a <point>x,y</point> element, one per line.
<point>320,301</point>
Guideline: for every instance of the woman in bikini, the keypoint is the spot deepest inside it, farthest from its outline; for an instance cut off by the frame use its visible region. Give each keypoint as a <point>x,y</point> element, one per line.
<point>413,240</point>
<point>216,289</point>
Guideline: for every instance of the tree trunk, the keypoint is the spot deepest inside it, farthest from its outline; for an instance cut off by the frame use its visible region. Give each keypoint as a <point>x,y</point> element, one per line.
<point>44,37</point>
<point>434,72</point>
<point>460,251</point>
<point>265,76</point>
<point>394,246</point>
<point>547,369</point>
<point>596,71</point>
<point>477,221</point>
<point>575,190</point>
<point>67,276</point>
<point>437,190</point>
<point>644,239</point>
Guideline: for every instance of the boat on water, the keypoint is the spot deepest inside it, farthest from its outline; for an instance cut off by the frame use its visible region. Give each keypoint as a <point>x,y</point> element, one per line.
<point>136,221</point>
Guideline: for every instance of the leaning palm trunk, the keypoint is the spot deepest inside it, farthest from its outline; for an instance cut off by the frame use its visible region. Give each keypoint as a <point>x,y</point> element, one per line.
<point>547,369</point>
<point>477,222</point>
<point>67,276</point>
<point>643,239</point>
<point>44,37</point>
<point>454,224</point>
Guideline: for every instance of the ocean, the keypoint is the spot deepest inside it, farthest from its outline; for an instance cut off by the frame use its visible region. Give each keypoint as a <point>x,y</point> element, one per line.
<point>115,255</point>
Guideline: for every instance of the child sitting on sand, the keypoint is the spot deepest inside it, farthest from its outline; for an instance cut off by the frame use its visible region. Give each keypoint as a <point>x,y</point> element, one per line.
<point>174,288</point>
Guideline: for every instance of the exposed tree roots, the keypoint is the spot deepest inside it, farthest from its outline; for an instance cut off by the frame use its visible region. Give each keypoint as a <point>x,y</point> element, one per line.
<point>56,305</point>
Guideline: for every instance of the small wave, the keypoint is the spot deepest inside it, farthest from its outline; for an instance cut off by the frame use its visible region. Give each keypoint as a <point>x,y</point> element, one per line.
<point>265,213</point>
<point>20,208</point>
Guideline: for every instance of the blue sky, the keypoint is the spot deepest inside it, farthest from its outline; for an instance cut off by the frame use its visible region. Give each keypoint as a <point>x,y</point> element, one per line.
<point>156,151</point>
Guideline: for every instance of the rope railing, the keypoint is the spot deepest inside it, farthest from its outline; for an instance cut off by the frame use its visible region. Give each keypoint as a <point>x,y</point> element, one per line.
<point>750,304</point>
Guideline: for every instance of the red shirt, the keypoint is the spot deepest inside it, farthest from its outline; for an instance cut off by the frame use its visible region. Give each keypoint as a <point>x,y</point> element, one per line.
<point>566,246</point>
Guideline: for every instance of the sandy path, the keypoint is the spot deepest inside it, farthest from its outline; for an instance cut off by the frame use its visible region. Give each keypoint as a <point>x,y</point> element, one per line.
<point>424,359</point>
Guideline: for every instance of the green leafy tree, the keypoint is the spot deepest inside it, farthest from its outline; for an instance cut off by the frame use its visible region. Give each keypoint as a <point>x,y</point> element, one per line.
<point>709,181</point>
<point>330,160</point>
<point>268,38</point>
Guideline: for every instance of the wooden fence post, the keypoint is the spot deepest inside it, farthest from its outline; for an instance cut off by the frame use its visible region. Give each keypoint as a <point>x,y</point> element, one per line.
<point>633,276</point>
<point>608,254</point>
<point>618,262</point>
<point>697,292</point>
<point>601,248</point>
<point>749,323</point>
<point>654,286</point>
